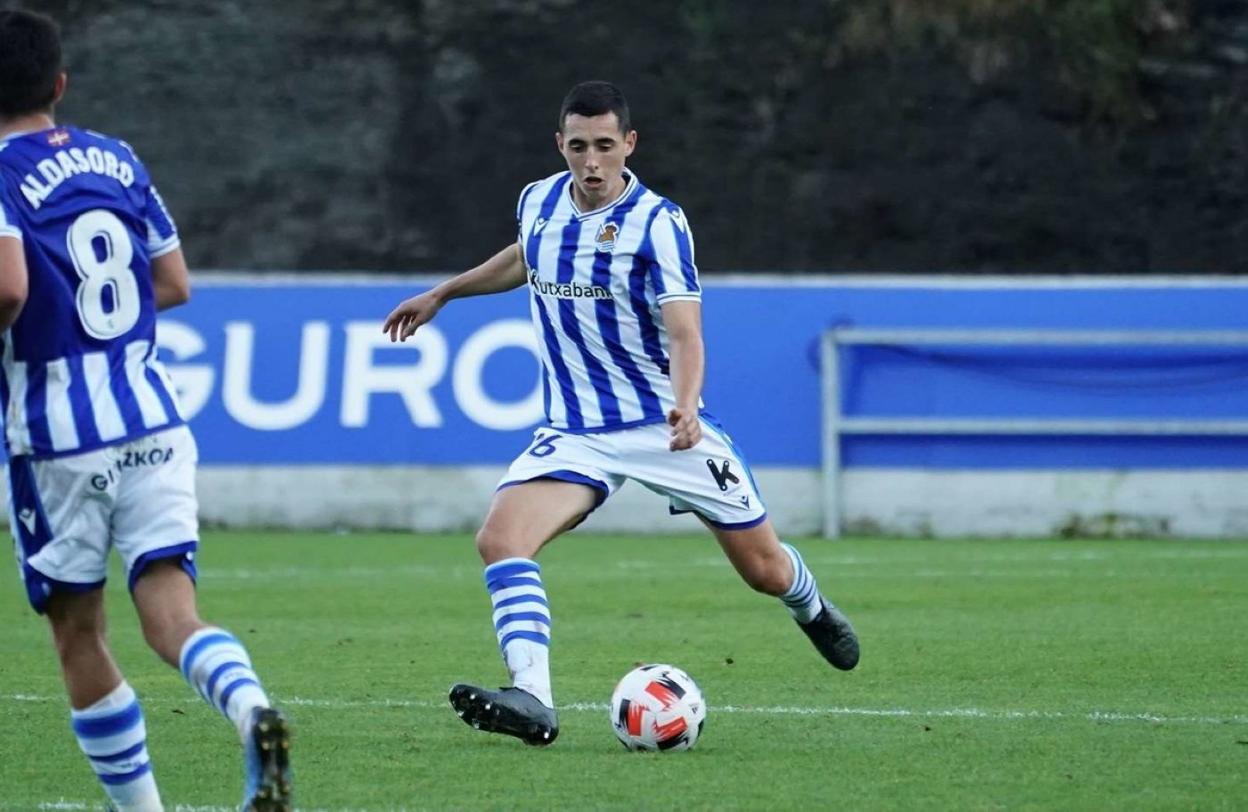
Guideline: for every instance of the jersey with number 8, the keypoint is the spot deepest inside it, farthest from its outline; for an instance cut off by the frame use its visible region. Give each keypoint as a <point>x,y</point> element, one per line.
<point>79,365</point>
<point>104,272</point>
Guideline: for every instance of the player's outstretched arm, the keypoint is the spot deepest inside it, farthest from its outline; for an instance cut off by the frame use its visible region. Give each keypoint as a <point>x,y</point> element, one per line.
<point>503,271</point>
<point>14,282</point>
<point>171,281</point>
<point>683,322</point>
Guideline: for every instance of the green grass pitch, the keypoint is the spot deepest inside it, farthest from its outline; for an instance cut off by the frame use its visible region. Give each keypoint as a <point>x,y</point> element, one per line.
<point>995,675</point>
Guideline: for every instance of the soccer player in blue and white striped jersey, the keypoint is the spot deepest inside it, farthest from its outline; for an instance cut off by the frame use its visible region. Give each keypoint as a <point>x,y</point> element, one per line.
<point>616,306</point>
<point>98,453</point>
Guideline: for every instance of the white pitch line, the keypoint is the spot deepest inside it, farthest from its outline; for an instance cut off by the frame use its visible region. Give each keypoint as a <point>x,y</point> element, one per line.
<point>72,806</point>
<point>775,710</point>
<point>75,805</point>
<point>956,713</point>
<point>412,571</point>
<point>861,570</point>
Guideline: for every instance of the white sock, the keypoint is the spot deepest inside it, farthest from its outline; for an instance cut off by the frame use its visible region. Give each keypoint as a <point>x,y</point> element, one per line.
<point>114,738</point>
<point>802,599</point>
<point>522,624</point>
<point>215,663</point>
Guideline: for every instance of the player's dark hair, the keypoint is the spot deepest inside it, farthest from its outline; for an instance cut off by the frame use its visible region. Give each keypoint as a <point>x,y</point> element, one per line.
<point>30,62</point>
<point>595,99</point>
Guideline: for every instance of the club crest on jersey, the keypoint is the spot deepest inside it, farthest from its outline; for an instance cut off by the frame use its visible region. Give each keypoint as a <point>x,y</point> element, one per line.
<point>58,138</point>
<point>605,241</point>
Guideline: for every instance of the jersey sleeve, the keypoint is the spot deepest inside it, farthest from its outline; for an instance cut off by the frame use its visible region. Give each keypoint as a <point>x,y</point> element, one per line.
<point>9,224</point>
<point>520,204</point>
<point>673,272</point>
<point>162,233</point>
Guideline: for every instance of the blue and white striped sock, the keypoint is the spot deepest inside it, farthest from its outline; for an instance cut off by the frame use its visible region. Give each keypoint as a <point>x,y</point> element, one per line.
<point>522,623</point>
<point>217,665</point>
<point>802,599</point>
<point>112,734</point>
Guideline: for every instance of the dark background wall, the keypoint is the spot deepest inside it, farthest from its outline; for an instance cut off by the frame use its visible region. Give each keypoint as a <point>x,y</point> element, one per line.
<point>827,135</point>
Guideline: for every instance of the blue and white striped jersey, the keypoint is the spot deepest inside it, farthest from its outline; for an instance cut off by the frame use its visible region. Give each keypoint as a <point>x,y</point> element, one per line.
<point>79,365</point>
<point>596,283</point>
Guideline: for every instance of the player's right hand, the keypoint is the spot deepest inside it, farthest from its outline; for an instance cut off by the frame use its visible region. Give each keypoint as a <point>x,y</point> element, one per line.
<point>410,314</point>
<point>686,428</point>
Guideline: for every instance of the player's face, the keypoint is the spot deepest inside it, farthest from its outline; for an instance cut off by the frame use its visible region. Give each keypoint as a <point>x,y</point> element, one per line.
<point>595,150</point>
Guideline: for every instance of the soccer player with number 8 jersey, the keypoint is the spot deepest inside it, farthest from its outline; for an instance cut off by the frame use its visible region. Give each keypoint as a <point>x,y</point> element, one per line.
<point>616,308</point>
<point>99,456</point>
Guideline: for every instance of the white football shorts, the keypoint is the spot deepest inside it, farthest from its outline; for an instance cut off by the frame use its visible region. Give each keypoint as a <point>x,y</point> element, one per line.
<point>711,479</point>
<point>67,512</point>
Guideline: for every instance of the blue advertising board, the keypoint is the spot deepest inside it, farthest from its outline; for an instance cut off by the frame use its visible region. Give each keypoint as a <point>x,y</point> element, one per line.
<point>296,371</point>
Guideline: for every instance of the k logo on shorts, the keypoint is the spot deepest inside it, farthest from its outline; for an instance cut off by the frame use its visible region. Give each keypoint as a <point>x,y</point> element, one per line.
<point>722,475</point>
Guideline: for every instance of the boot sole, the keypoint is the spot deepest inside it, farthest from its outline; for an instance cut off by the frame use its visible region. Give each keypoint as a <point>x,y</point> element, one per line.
<point>272,739</point>
<point>483,713</point>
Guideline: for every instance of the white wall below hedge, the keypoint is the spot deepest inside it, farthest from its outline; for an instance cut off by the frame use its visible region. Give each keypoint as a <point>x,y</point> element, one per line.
<point>876,501</point>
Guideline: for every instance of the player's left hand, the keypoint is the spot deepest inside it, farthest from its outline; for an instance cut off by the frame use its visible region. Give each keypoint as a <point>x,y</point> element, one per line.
<point>411,314</point>
<point>686,428</point>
